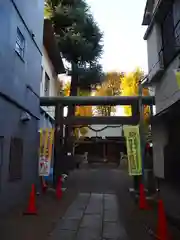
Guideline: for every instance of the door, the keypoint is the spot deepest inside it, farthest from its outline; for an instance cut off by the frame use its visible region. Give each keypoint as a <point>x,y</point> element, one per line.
<point>1,157</point>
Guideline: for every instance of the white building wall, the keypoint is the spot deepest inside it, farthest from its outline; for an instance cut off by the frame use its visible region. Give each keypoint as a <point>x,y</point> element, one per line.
<point>47,68</point>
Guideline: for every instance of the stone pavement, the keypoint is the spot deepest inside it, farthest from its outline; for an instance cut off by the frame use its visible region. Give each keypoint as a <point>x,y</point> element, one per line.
<point>92,216</point>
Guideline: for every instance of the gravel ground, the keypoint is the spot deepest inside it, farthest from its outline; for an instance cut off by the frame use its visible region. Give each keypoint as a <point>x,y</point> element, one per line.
<point>95,179</point>
<point>16,226</point>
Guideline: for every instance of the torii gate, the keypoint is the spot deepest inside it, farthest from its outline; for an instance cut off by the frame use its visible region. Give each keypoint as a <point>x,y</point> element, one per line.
<point>60,102</point>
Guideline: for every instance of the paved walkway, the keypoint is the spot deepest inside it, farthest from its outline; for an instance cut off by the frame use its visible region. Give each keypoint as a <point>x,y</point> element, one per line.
<point>91,217</point>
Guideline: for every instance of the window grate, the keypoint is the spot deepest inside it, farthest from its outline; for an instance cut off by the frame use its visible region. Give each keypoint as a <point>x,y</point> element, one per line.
<point>46,85</point>
<point>20,44</point>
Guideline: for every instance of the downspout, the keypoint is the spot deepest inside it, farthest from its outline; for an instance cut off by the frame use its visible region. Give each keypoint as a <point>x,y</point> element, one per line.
<point>141,130</point>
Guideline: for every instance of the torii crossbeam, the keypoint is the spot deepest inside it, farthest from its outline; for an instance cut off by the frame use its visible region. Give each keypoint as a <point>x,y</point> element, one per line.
<point>95,101</point>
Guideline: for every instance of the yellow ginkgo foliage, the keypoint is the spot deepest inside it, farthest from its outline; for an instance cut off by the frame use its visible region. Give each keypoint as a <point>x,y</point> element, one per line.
<point>130,87</point>
<point>66,89</point>
<point>110,87</point>
<point>79,110</point>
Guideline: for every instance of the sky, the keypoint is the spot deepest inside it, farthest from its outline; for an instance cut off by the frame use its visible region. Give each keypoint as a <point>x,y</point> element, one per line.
<point>120,20</point>
<point>121,23</point>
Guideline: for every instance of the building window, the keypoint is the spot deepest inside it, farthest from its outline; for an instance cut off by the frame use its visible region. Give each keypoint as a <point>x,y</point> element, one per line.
<point>176,13</point>
<point>15,159</point>
<point>46,85</point>
<point>20,44</point>
<point>168,38</point>
<point>170,29</point>
<point>41,73</point>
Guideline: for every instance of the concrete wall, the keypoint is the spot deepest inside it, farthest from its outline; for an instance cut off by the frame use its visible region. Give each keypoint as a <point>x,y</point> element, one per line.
<point>13,192</point>
<point>160,139</point>
<point>19,80</point>
<point>45,121</point>
<point>32,12</point>
<point>167,90</point>
<point>16,73</point>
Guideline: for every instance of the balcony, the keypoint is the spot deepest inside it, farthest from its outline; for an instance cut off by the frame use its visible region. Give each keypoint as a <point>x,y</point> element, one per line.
<point>157,70</point>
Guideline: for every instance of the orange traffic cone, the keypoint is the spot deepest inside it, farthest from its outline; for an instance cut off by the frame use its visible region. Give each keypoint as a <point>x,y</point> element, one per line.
<point>162,231</point>
<point>59,188</point>
<point>143,205</point>
<point>31,209</point>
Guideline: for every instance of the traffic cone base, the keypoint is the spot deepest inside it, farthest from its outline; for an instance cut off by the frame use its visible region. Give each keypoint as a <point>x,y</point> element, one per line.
<point>143,205</point>
<point>162,231</point>
<point>30,213</point>
<point>31,209</point>
<point>59,188</point>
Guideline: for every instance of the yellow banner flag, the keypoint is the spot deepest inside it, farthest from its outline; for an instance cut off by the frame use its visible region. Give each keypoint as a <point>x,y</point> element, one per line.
<point>132,136</point>
<point>177,72</point>
<point>45,151</point>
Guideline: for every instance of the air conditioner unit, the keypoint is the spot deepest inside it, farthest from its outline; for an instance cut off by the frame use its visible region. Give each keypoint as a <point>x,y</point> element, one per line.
<point>25,117</point>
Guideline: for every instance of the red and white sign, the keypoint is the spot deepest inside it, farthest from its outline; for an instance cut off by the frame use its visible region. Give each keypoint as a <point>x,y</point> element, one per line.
<point>45,151</point>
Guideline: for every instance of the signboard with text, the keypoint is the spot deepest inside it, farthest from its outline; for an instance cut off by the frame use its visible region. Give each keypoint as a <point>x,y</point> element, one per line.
<point>132,136</point>
<point>45,151</point>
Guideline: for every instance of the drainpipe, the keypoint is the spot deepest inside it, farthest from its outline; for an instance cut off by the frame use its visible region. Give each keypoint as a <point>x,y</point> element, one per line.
<point>141,127</point>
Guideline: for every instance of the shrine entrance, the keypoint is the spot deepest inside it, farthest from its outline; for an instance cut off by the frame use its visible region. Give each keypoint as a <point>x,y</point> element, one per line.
<point>63,158</point>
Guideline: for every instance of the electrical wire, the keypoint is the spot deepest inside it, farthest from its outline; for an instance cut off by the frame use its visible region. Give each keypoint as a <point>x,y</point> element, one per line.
<point>102,129</point>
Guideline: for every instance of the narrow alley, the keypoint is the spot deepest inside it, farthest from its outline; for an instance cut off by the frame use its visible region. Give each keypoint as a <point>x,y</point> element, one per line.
<point>89,136</point>
<point>96,205</point>
<point>100,208</point>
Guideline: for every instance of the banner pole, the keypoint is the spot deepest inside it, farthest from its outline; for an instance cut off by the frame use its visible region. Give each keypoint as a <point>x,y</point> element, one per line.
<point>141,132</point>
<point>133,144</point>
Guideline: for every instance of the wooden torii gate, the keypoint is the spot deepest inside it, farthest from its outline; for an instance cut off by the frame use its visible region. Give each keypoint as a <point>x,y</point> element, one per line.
<point>60,102</point>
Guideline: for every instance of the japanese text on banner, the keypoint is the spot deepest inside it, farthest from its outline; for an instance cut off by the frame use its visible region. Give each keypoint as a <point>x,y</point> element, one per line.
<point>132,136</point>
<point>45,151</point>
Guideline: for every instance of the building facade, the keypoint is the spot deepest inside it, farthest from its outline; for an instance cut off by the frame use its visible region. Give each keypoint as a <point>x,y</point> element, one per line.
<point>20,75</point>
<point>162,19</point>
<point>51,67</point>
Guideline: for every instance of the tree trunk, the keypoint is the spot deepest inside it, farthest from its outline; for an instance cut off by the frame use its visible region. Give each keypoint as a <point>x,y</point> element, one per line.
<point>71,110</point>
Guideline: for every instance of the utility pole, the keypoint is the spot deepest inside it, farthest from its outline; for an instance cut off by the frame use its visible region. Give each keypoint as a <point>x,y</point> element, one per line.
<point>150,182</point>
<point>137,179</point>
<point>58,143</point>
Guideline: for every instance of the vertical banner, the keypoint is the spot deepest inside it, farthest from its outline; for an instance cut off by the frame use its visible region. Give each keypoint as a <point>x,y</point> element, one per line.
<point>177,73</point>
<point>132,136</point>
<point>45,151</point>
